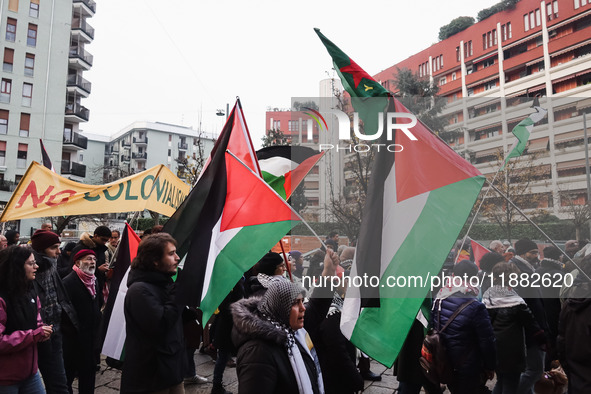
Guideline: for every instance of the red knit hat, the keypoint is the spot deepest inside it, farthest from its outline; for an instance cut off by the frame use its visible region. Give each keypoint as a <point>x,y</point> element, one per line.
<point>43,239</point>
<point>84,252</point>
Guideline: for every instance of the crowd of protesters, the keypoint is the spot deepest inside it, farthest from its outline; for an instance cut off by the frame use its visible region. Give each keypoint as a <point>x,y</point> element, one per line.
<point>280,336</point>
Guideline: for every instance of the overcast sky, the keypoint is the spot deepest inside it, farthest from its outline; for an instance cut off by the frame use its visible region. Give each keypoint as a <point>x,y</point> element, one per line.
<point>178,61</point>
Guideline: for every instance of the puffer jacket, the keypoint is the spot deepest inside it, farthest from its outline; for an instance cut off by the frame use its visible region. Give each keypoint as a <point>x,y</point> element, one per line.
<point>154,345</point>
<point>262,364</point>
<point>469,338</point>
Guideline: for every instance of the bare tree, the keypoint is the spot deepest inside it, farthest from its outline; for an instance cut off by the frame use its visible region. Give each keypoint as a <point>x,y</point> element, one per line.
<point>578,211</point>
<point>515,182</point>
<point>189,167</point>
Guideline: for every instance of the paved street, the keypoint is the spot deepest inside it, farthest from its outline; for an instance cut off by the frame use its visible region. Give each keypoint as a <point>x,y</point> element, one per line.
<point>107,380</point>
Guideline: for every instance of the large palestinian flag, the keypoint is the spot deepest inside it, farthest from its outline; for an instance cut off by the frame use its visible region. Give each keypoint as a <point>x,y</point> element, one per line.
<point>417,203</point>
<point>285,167</point>
<point>232,218</point>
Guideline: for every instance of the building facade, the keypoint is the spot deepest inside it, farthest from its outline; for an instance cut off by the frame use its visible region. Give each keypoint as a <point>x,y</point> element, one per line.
<point>42,88</point>
<point>489,74</point>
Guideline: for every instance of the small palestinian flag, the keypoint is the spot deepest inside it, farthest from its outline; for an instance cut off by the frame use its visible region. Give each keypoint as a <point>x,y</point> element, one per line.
<point>285,167</point>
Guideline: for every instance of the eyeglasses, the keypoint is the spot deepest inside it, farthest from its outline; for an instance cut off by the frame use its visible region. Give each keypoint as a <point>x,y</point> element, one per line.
<point>31,264</point>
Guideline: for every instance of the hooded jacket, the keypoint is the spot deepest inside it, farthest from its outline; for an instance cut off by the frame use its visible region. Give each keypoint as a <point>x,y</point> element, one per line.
<point>262,364</point>
<point>154,345</point>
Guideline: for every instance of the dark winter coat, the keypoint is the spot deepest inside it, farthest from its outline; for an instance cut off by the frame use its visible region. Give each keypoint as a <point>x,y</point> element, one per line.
<point>154,346</point>
<point>551,269</point>
<point>47,267</point>
<point>84,341</point>
<point>509,325</point>
<point>574,331</point>
<point>262,364</point>
<point>337,358</point>
<point>532,296</point>
<point>469,338</point>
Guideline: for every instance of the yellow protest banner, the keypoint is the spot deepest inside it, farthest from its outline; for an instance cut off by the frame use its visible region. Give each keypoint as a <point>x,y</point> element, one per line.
<point>44,193</point>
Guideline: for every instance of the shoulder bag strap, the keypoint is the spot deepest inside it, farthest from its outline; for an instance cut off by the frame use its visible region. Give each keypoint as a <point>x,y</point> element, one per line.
<point>456,313</point>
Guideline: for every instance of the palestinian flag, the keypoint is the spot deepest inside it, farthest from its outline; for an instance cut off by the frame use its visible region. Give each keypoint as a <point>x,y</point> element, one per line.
<point>368,97</point>
<point>113,324</point>
<point>232,218</point>
<point>285,167</point>
<point>523,130</point>
<point>478,251</point>
<point>417,203</point>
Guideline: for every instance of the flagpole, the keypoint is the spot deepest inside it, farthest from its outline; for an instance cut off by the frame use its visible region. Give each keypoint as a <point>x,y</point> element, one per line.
<point>538,228</point>
<point>273,190</point>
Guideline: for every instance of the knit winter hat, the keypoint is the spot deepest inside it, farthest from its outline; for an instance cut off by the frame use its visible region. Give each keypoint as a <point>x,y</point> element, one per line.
<point>278,300</point>
<point>552,252</point>
<point>524,245</point>
<point>43,239</point>
<point>295,254</point>
<point>84,252</point>
<point>268,264</point>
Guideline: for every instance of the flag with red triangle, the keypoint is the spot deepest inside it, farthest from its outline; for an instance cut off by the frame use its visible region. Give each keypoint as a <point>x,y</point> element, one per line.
<point>113,324</point>
<point>45,157</point>
<point>477,251</point>
<point>418,200</point>
<point>233,219</point>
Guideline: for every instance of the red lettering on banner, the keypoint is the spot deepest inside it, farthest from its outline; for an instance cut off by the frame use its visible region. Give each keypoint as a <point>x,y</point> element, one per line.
<point>51,202</point>
<point>31,190</point>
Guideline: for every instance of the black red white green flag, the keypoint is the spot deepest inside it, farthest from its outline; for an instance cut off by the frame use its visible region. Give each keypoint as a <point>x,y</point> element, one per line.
<point>113,329</point>
<point>45,157</point>
<point>285,167</point>
<point>477,251</point>
<point>232,217</point>
<point>417,202</point>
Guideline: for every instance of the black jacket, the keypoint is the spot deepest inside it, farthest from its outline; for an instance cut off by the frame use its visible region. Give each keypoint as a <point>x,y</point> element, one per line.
<point>87,309</point>
<point>509,324</point>
<point>574,330</point>
<point>262,364</point>
<point>154,345</point>
<point>337,358</point>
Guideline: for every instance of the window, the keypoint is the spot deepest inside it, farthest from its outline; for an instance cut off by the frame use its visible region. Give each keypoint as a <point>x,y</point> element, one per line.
<point>494,34</point>
<point>13,5</point>
<point>276,125</point>
<point>32,35</point>
<point>3,121</point>
<point>509,31</point>
<point>458,54</point>
<point>526,22</point>
<point>27,94</point>
<point>442,81</point>
<point>555,6</point>
<point>169,152</point>
<point>577,4</point>
<point>2,153</point>
<point>17,179</point>
<point>293,125</point>
<point>549,11</point>
<point>5,90</point>
<point>169,137</point>
<point>21,156</point>
<point>468,48</point>
<point>8,59</point>
<point>29,64</point>
<point>34,9</point>
<point>453,76</point>
<point>11,30</point>
<point>538,17</point>
<point>25,122</point>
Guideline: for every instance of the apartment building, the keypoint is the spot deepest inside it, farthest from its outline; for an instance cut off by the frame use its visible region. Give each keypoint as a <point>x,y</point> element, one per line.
<point>42,87</point>
<point>489,74</point>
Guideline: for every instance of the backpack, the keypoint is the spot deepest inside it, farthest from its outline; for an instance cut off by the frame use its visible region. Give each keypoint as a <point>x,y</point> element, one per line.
<point>434,360</point>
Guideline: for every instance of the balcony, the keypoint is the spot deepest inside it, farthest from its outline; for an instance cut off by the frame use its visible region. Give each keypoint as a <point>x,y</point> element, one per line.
<point>87,7</point>
<point>79,84</point>
<point>79,58</point>
<point>82,29</point>
<point>114,150</point>
<point>73,168</point>
<point>183,146</point>
<point>142,141</point>
<point>77,113</point>
<point>124,159</point>
<point>126,144</point>
<point>75,141</point>
<point>139,156</point>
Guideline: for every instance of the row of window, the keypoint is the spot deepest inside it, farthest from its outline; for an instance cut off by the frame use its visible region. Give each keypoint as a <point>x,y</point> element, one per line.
<point>33,7</point>
<point>580,3</point>
<point>552,10</point>
<point>6,91</point>
<point>424,69</point>
<point>532,20</point>
<point>467,50</point>
<point>438,63</point>
<point>8,62</point>
<point>24,125</point>
<point>11,32</point>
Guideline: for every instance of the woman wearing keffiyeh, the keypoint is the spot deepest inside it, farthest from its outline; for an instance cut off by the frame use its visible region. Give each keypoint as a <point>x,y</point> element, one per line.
<point>275,352</point>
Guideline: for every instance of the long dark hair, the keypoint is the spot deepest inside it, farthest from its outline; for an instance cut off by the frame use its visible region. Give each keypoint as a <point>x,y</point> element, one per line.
<point>12,269</point>
<point>151,250</point>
